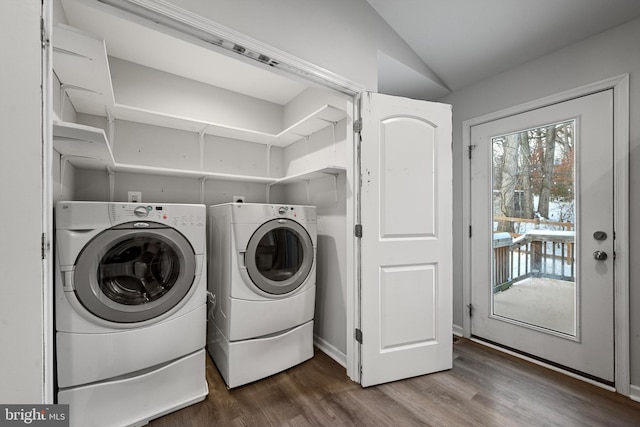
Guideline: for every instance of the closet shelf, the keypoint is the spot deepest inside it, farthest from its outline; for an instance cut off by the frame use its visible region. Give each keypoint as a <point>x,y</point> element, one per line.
<point>153,170</point>
<point>80,62</point>
<point>84,146</point>
<point>87,147</point>
<point>314,122</point>
<point>311,175</point>
<point>308,125</point>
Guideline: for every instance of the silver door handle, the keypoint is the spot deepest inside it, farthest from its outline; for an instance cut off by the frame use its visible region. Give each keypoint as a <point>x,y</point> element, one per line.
<point>600,255</point>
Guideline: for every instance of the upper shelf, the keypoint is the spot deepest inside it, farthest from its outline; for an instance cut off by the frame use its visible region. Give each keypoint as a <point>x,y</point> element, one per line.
<point>307,126</point>
<point>80,62</point>
<point>85,146</point>
<point>310,175</point>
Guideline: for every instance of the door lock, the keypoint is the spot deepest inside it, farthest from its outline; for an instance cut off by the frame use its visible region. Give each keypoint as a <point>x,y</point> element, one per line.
<point>600,235</point>
<point>600,255</point>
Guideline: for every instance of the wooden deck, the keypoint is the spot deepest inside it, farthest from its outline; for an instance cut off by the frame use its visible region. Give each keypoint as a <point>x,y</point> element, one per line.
<point>540,301</point>
<point>484,388</point>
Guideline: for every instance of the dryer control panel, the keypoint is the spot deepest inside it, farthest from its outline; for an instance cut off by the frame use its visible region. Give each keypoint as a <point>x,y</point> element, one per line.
<point>297,213</point>
<point>175,216</point>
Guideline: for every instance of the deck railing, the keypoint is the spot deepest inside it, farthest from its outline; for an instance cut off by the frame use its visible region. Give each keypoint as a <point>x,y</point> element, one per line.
<point>536,253</point>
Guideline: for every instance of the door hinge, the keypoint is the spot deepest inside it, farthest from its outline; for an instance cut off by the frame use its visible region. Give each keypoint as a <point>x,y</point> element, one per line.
<point>43,35</point>
<point>358,230</point>
<point>359,335</point>
<point>357,126</point>
<point>470,232</point>
<point>44,245</point>
<point>470,148</point>
<point>470,306</point>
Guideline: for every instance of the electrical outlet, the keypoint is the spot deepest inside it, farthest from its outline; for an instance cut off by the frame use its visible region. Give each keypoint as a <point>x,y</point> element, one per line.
<point>238,199</point>
<point>134,196</point>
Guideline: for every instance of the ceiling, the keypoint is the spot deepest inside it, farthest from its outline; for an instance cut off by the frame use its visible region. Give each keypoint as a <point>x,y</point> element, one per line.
<point>461,41</point>
<point>133,42</point>
<point>466,41</point>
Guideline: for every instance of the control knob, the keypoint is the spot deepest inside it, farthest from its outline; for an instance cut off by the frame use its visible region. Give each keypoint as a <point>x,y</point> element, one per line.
<point>140,212</point>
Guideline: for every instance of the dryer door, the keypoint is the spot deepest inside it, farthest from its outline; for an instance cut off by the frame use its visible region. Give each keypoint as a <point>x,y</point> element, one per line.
<point>279,256</point>
<point>127,274</point>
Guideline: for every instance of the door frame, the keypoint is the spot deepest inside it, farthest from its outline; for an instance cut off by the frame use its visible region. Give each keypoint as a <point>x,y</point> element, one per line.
<point>295,68</point>
<point>620,86</point>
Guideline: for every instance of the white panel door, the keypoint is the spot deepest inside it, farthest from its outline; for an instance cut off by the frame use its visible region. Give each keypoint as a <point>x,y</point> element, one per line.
<point>406,247</point>
<point>548,291</point>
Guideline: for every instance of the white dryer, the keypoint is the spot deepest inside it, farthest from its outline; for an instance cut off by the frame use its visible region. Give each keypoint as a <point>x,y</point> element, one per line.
<point>130,309</point>
<point>262,265</point>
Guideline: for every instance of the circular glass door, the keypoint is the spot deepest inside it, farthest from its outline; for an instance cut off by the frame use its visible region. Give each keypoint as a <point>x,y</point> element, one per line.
<point>130,275</point>
<point>279,256</point>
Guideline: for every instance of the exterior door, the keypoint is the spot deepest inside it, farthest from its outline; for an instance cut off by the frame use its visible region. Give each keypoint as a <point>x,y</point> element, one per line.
<point>543,237</point>
<point>406,245</point>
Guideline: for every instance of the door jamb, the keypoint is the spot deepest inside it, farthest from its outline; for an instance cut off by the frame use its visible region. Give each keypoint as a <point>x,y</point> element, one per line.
<point>620,86</point>
<point>48,345</point>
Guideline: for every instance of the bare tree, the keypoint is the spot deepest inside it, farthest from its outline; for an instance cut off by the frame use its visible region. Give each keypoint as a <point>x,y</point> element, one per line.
<point>547,170</point>
<point>526,181</point>
<point>509,180</point>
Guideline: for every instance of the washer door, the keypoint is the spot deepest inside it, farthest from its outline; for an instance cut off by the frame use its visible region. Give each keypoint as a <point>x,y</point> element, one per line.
<point>279,256</point>
<point>127,274</point>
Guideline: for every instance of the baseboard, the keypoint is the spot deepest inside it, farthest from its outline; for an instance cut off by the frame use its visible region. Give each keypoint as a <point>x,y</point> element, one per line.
<point>458,331</point>
<point>634,393</point>
<point>330,351</point>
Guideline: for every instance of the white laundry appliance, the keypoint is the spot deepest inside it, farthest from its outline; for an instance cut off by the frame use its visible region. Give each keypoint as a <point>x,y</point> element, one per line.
<point>130,310</point>
<point>262,264</point>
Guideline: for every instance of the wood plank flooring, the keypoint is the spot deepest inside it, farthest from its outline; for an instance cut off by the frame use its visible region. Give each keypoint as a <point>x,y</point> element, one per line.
<point>484,388</point>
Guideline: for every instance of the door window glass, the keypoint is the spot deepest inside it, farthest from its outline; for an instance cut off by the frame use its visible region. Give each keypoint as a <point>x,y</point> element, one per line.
<point>533,218</point>
<point>138,270</point>
<point>279,254</point>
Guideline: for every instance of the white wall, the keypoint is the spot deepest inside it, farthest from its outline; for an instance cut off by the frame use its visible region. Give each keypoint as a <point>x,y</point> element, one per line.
<point>158,91</point>
<point>329,198</point>
<point>148,145</point>
<point>22,358</point>
<point>603,56</point>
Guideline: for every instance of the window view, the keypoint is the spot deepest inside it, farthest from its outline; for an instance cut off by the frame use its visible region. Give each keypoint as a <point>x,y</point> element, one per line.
<point>534,227</point>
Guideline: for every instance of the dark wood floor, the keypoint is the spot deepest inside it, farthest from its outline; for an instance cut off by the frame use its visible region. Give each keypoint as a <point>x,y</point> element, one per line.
<point>484,388</point>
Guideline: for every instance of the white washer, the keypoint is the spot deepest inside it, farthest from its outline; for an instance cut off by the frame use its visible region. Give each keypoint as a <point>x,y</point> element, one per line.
<point>130,308</point>
<point>262,264</point>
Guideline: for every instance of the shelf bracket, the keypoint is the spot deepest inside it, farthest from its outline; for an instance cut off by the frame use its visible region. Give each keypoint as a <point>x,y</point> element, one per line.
<point>203,180</point>
<point>64,159</point>
<point>306,143</point>
<point>335,187</point>
<point>112,181</point>
<point>111,121</point>
<point>201,145</point>
<point>306,147</point>
<point>308,183</point>
<point>63,93</point>
<point>333,129</point>
<point>269,160</point>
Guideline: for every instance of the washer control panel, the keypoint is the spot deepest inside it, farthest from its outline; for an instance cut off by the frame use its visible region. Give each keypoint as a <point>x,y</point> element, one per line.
<point>299,213</point>
<point>165,214</point>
